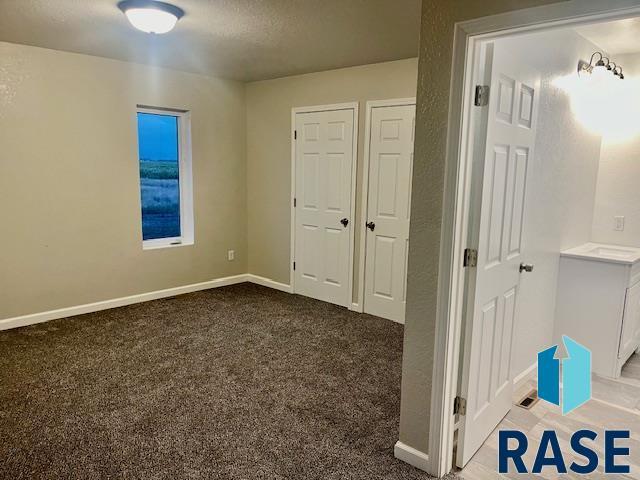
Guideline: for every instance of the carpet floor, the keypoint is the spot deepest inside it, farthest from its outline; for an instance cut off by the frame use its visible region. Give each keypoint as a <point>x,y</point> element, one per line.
<point>240,382</point>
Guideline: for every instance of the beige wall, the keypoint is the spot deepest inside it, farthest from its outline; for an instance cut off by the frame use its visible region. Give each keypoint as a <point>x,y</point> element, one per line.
<point>69,191</point>
<point>434,77</point>
<point>269,105</point>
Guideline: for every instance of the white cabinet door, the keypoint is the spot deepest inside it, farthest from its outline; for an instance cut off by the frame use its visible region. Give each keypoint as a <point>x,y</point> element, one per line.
<point>511,126</point>
<point>323,224</point>
<point>388,209</point>
<point>630,322</point>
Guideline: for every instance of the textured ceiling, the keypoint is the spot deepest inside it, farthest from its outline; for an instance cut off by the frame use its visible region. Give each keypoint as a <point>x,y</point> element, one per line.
<point>615,38</point>
<point>241,39</point>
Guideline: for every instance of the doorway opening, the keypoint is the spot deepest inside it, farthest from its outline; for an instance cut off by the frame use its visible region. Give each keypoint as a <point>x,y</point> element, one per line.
<point>545,229</point>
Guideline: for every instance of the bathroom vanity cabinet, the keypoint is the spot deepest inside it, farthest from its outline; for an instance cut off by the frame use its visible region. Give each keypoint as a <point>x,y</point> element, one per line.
<point>598,303</point>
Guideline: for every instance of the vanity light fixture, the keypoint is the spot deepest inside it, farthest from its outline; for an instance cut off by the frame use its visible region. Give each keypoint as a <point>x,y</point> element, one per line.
<point>601,67</point>
<point>151,16</point>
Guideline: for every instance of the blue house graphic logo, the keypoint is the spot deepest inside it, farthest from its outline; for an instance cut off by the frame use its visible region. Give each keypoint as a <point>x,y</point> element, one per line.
<point>576,375</point>
<point>572,392</point>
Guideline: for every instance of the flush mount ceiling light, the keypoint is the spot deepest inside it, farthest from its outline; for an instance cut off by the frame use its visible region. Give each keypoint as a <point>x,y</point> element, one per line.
<point>601,68</point>
<point>151,16</point>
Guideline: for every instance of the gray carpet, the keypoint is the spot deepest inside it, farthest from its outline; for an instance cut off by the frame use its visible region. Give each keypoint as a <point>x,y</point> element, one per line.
<point>240,382</point>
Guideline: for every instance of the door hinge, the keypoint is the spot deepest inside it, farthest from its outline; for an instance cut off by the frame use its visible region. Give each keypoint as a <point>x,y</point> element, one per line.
<point>481,98</point>
<point>470,257</point>
<point>294,265</point>
<point>460,406</point>
<point>295,134</point>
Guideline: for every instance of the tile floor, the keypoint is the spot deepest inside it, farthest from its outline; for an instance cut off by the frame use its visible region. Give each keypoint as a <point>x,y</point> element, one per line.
<point>615,405</point>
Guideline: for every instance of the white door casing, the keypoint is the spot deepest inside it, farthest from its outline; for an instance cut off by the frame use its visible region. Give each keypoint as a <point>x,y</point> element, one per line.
<point>324,162</point>
<point>493,302</point>
<point>390,137</point>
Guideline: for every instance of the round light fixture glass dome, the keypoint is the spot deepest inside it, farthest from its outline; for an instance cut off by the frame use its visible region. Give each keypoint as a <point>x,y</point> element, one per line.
<point>151,16</point>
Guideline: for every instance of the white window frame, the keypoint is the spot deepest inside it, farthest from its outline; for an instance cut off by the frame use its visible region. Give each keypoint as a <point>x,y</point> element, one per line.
<point>185,180</point>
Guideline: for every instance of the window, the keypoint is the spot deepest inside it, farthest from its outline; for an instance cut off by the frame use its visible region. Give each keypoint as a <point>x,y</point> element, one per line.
<point>165,177</point>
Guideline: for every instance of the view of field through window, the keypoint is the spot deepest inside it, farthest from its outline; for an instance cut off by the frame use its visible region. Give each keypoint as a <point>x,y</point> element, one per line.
<point>159,175</point>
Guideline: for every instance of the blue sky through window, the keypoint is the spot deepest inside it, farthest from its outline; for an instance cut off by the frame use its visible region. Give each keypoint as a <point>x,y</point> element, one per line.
<point>159,175</point>
<point>157,137</point>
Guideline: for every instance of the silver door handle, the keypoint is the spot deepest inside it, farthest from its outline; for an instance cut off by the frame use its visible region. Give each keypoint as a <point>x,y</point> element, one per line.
<point>526,267</point>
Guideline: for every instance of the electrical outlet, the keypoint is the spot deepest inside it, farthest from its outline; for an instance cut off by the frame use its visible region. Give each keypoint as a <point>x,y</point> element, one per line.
<point>231,255</point>
<point>618,223</point>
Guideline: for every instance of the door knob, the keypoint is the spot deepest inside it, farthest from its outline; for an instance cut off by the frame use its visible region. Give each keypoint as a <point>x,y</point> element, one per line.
<point>371,226</point>
<point>344,222</point>
<point>526,267</point>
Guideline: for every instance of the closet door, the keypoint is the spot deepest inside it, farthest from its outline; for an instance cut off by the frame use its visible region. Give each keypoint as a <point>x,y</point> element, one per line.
<point>388,209</point>
<point>323,172</point>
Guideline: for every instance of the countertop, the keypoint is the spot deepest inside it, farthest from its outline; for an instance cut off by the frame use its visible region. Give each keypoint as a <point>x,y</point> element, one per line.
<point>604,253</point>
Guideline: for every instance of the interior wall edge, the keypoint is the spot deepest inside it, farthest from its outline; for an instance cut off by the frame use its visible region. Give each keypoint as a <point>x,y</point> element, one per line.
<point>411,455</point>
<point>267,282</point>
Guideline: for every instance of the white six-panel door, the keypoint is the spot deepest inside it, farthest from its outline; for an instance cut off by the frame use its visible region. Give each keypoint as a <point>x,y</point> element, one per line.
<point>388,207</point>
<point>511,124</point>
<point>324,151</point>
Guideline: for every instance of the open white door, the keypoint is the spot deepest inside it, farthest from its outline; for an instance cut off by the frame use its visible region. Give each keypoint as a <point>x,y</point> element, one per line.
<point>324,161</point>
<point>492,299</point>
<point>388,207</point>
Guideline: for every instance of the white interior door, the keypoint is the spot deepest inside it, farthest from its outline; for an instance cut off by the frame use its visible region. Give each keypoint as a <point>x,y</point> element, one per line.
<point>388,207</point>
<point>511,124</point>
<point>323,189</point>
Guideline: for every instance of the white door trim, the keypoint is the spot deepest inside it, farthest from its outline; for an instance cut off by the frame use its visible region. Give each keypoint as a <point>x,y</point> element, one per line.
<point>354,168</point>
<point>364,200</point>
<point>456,205</point>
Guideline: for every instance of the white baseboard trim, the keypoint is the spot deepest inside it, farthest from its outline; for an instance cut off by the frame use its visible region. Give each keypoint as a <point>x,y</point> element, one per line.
<point>411,456</point>
<point>525,376</point>
<point>24,320</point>
<point>354,307</point>
<point>34,318</point>
<point>267,282</point>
